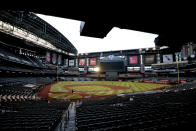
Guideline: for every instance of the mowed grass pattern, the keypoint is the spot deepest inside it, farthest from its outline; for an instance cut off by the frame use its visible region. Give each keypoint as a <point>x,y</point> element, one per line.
<point>61,90</point>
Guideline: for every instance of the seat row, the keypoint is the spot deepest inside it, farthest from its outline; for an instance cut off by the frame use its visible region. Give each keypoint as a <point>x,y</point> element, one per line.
<point>157,111</point>
<point>32,115</point>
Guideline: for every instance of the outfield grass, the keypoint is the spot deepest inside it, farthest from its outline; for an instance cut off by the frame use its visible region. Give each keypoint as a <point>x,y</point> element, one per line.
<point>62,90</point>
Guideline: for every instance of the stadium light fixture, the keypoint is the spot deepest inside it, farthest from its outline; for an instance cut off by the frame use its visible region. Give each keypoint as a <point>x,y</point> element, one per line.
<point>97,69</point>
<point>163,47</point>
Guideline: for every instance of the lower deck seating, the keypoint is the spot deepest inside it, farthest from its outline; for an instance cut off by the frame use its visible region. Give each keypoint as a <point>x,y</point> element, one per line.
<point>28,80</point>
<point>158,111</point>
<point>31,115</point>
<point>14,93</point>
<point>22,88</point>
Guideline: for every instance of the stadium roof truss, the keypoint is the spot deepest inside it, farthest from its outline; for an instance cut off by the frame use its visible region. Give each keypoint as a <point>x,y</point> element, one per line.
<point>32,28</point>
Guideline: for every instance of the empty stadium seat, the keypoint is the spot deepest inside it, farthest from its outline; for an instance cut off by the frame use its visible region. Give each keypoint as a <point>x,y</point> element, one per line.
<point>31,115</point>
<point>158,111</point>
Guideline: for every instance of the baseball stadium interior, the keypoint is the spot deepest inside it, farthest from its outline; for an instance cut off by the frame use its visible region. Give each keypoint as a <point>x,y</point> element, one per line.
<point>45,84</point>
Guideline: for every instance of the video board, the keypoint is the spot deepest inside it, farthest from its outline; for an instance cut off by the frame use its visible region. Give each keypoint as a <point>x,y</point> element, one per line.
<point>149,59</point>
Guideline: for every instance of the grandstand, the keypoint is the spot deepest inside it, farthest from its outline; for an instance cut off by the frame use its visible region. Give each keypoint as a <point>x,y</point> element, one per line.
<point>46,85</point>
<point>24,72</point>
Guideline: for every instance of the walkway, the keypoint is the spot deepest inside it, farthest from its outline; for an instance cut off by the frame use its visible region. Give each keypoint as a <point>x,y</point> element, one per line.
<point>71,125</point>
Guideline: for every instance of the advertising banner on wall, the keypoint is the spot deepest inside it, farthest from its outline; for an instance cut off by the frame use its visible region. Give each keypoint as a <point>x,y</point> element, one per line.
<point>66,62</point>
<point>76,61</point>
<point>81,62</point>
<point>87,61</point>
<point>48,59</point>
<point>168,58</point>
<point>93,62</point>
<point>59,59</point>
<point>71,62</point>
<point>81,69</point>
<point>133,69</point>
<point>54,58</point>
<point>133,60</point>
